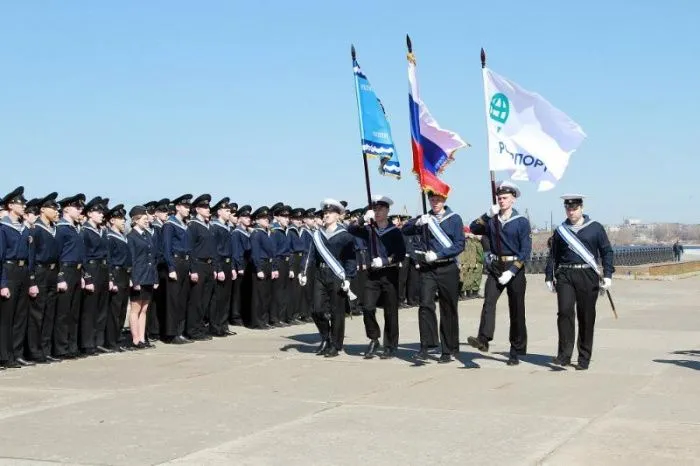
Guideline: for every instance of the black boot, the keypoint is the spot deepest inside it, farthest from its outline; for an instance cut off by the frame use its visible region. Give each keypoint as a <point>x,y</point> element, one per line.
<point>372,349</point>
<point>322,348</point>
<point>478,344</point>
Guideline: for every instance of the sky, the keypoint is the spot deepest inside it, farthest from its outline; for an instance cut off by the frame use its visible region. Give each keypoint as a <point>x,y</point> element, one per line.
<point>137,100</point>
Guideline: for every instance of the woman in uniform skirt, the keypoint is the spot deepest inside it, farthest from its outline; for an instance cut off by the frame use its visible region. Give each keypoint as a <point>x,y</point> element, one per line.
<point>144,275</point>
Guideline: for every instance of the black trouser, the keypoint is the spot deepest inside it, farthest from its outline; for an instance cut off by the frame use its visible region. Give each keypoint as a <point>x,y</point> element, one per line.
<point>516,306</point>
<point>357,285</point>
<point>261,294</point>
<point>443,278</point>
<point>118,302</point>
<point>576,289</point>
<point>14,312</point>
<point>218,321</point>
<point>403,281</point>
<point>242,296</point>
<point>93,315</point>
<point>382,284</point>
<point>158,307</point>
<point>65,336</point>
<point>201,298</point>
<point>42,312</point>
<point>177,298</point>
<point>413,283</point>
<point>294,290</point>
<point>280,298</point>
<point>307,294</point>
<point>329,307</point>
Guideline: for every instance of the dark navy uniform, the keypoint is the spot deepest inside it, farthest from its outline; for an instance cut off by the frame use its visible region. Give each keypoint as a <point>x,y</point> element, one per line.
<point>279,307</point>
<point>93,315</point>
<point>240,238</point>
<point>144,272</point>
<point>218,322</point>
<point>309,269</point>
<point>263,256</point>
<point>71,257</point>
<point>513,237</point>
<point>176,253</point>
<point>297,247</point>
<point>329,297</point>
<point>410,264</point>
<point>42,312</point>
<point>203,262</point>
<point>382,285</point>
<point>577,284</point>
<point>441,276</point>
<point>17,276</point>
<point>156,313</point>
<point>119,264</point>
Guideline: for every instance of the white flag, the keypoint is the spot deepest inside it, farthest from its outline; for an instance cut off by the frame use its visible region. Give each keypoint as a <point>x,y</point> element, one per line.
<point>528,136</point>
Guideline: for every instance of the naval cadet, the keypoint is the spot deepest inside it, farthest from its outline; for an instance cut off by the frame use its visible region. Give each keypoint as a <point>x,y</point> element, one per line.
<point>203,265</point>
<point>42,311</point>
<point>297,247</point>
<point>263,257</point>
<point>333,253</point>
<point>225,269</point>
<point>119,263</point>
<point>511,241</point>
<point>309,269</point>
<point>572,272</point>
<point>240,238</point>
<point>358,282</point>
<point>156,315</point>
<point>71,253</point>
<point>144,275</point>
<point>441,241</point>
<point>387,249</point>
<point>280,300</point>
<point>93,315</point>
<point>17,281</point>
<point>176,253</point>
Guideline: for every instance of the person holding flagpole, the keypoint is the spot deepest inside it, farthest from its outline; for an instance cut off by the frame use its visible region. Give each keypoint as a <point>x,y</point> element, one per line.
<point>332,252</point>
<point>440,245</point>
<point>510,238</point>
<point>572,273</point>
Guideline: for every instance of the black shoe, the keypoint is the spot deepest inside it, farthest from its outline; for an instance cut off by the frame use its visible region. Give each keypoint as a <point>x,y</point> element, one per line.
<point>388,353</point>
<point>581,366</point>
<point>478,344</point>
<point>24,362</point>
<point>559,361</point>
<point>236,323</point>
<point>323,347</point>
<point>147,344</point>
<point>421,355</point>
<point>11,365</point>
<point>184,340</point>
<point>372,349</point>
<point>201,338</point>
<point>105,350</point>
<point>445,358</point>
<point>229,333</point>
<point>306,320</point>
<point>53,359</point>
<point>331,353</point>
<point>513,360</point>
<point>41,360</point>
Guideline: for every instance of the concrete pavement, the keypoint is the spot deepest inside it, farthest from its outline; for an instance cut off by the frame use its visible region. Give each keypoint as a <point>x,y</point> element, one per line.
<point>263,397</point>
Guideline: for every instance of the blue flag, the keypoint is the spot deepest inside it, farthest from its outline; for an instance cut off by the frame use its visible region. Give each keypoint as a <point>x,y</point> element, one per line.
<point>374,127</point>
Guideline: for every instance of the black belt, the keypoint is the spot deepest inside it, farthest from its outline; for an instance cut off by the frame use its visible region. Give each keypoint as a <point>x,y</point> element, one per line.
<point>286,258</point>
<point>18,262</point>
<point>227,260</point>
<point>97,261</point>
<point>181,256</point>
<point>574,266</point>
<point>121,267</point>
<point>47,265</point>
<point>205,260</point>
<point>72,264</point>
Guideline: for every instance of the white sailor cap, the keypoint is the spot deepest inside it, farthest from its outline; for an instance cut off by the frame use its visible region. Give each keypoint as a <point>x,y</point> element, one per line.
<point>332,205</point>
<point>379,199</point>
<point>506,187</point>
<point>572,200</point>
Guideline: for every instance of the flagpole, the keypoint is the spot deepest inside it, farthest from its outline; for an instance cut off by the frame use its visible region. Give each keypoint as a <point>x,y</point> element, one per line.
<point>491,172</point>
<point>373,233</point>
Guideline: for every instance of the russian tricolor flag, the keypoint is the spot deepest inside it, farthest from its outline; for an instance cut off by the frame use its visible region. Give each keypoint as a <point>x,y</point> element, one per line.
<point>433,147</point>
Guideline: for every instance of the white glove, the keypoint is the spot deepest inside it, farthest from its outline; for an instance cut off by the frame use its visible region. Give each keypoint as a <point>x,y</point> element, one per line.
<point>377,263</point>
<point>607,283</point>
<point>550,287</point>
<point>345,286</point>
<point>430,256</point>
<point>493,210</point>
<point>369,216</point>
<point>302,280</point>
<point>505,277</point>
<point>423,220</point>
